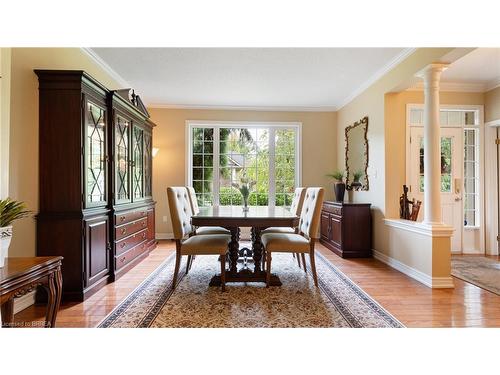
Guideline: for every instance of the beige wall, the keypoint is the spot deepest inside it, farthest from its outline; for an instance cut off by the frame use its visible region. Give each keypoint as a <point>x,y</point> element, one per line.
<point>5,58</point>
<point>371,103</point>
<point>319,143</point>
<point>395,142</point>
<point>492,105</point>
<point>23,183</point>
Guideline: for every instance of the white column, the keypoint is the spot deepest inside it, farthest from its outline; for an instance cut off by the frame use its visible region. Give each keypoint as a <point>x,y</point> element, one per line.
<point>432,144</point>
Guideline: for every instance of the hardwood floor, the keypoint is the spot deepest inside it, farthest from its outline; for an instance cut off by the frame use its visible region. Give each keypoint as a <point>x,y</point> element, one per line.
<point>414,304</point>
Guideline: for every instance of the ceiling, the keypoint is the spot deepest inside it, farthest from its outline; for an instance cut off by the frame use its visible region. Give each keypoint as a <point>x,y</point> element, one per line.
<point>481,66</point>
<point>253,78</point>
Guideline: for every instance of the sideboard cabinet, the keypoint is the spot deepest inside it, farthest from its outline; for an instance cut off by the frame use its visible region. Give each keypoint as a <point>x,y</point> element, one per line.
<point>95,163</point>
<point>346,229</point>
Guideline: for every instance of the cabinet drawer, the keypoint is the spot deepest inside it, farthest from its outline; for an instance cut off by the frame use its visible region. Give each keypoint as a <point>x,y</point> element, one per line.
<point>130,241</point>
<point>126,230</point>
<point>125,258</point>
<point>128,216</point>
<point>336,210</point>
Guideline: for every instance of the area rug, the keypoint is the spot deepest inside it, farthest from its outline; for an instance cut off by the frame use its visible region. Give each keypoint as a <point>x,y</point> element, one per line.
<point>478,270</point>
<point>338,302</point>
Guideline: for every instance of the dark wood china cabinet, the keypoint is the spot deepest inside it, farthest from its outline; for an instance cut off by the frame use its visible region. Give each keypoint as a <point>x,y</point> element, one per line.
<point>95,175</point>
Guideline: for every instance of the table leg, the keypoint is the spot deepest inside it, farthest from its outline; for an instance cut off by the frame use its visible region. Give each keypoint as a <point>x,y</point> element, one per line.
<point>51,299</point>
<point>8,313</point>
<point>58,295</point>
<point>257,248</point>
<point>234,246</point>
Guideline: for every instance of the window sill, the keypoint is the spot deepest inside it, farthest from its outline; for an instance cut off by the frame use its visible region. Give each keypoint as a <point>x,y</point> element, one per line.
<point>472,227</point>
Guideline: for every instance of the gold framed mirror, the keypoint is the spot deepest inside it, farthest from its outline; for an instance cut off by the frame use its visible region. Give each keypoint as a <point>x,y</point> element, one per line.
<point>356,155</point>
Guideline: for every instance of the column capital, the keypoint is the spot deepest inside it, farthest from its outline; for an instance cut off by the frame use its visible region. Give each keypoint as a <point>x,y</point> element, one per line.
<point>434,69</point>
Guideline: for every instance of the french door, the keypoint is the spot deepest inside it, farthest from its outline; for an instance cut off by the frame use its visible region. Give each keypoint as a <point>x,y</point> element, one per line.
<point>452,161</point>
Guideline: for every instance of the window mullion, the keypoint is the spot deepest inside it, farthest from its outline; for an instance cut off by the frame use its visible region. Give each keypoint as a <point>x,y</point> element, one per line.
<point>272,171</point>
<point>216,161</point>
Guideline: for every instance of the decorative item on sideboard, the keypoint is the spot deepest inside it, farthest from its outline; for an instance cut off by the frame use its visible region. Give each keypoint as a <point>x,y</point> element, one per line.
<point>339,185</point>
<point>404,206</point>
<point>10,211</point>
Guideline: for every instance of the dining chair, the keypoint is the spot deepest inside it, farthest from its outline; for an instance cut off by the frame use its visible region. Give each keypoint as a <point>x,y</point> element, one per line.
<point>195,210</point>
<point>295,208</point>
<point>302,242</point>
<point>186,243</point>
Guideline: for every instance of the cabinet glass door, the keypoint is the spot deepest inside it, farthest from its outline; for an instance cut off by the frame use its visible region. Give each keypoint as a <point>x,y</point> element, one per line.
<point>122,151</point>
<point>148,152</point>
<point>96,159</point>
<point>138,163</point>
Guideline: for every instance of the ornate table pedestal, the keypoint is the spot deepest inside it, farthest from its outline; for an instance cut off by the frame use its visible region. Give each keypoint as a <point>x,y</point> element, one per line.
<point>233,218</point>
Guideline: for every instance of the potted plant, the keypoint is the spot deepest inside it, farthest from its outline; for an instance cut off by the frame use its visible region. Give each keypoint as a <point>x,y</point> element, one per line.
<point>9,212</point>
<point>356,176</point>
<point>245,186</point>
<point>339,185</point>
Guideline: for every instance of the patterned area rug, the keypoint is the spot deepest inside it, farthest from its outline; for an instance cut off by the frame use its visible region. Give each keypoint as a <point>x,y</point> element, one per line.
<point>338,302</point>
<point>478,270</point>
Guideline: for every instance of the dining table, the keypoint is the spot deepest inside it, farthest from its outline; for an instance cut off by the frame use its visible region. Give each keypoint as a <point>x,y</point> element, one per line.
<point>234,218</point>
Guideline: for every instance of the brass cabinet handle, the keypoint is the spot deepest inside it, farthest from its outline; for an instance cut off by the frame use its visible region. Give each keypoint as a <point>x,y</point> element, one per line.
<point>143,223</point>
<point>122,245</point>
<point>122,218</point>
<point>122,259</point>
<point>124,230</point>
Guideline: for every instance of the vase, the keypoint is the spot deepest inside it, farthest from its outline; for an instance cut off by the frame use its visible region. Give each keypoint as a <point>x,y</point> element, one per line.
<point>245,204</point>
<point>339,188</point>
<point>5,237</point>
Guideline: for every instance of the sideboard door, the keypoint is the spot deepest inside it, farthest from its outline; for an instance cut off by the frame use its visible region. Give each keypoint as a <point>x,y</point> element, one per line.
<point>97,246</point>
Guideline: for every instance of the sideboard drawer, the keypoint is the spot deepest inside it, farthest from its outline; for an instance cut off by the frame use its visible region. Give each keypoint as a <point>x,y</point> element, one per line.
<point>334,209</point>
<point>126,230</point>
<point>129,242</point>
<point>129,216</point>
<point>125,258</point>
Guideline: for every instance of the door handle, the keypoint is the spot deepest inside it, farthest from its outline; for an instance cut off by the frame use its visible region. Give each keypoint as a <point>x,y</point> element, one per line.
<point>458,199</point>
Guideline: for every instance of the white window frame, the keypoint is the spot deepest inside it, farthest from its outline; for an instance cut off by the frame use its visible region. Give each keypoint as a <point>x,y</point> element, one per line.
<point>271,125</point>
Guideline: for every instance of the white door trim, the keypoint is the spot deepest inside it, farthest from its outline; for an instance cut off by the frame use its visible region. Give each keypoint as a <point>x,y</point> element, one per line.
<point>482,186</point>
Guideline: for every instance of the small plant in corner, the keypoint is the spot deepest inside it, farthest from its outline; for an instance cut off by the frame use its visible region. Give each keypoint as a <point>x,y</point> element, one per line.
<point>10,211</point>
<point>337,175</point>
<point>339,185</point>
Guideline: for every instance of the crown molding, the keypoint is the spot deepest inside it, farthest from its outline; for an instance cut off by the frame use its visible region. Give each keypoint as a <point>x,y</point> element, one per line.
<point>379,74</point>
<point>493,84</point>
<point>103,65</point>
<point>247,108</point>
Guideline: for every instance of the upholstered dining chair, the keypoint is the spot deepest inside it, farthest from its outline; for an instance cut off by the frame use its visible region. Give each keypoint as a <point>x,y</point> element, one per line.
<point>185,242</point>
<point>195,210</point>
<point>295,208</point>
<point>302,242</point>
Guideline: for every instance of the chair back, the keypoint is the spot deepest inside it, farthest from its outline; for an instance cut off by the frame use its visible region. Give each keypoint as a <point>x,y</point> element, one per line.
<point>180,211</point>
<point>311,212</point>
<point>195,209</point>
<point>298,200</point>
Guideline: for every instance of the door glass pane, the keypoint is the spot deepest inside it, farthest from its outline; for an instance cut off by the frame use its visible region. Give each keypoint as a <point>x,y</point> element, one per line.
<point>96,151</point>
<point>446,164</point>
<point>138,142</point>
<point>471,177</point>
<point>147,164</point>
<point>122,157</point>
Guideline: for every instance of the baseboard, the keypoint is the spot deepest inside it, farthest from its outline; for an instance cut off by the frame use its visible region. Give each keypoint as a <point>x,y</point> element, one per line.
<point>431,282</point>
<point>24,302</point>
<point>164,236</point>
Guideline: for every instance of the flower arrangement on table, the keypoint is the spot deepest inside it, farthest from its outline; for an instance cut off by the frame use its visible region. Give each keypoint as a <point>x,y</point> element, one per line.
<point>245,188</point>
